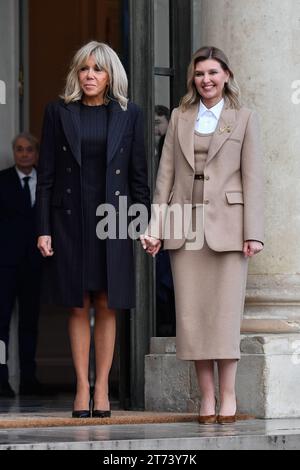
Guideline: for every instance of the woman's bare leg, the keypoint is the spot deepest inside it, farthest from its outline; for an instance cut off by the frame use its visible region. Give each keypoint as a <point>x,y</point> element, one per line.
<point>105,337</point>
<point>205,375</point>
<point>80,338</point>
<point>227,379</point>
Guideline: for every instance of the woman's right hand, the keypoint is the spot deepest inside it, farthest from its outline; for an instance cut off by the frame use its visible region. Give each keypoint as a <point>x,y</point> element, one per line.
<point>151,245</point>
<point>45,246</point>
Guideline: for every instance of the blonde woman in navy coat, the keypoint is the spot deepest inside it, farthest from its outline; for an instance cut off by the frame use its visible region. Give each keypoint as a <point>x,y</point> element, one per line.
<point>92,152</point>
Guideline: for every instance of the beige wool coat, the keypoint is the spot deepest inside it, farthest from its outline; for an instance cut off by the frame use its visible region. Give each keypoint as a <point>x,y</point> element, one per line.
<point>233,181</point>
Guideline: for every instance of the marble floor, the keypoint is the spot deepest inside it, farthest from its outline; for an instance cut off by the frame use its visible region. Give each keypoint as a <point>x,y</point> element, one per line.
<point>36,406</point>
<point>247,435</point>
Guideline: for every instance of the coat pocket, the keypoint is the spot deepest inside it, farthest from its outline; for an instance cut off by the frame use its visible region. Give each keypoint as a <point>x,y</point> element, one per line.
<point>235,197</point>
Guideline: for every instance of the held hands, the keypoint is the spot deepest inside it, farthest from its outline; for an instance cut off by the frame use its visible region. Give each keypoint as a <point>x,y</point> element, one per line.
<point>151,245</point>
<point>252,248</point>
<point>45,246</point>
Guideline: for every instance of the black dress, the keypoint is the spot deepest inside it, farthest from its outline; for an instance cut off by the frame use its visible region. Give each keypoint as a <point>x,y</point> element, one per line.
<point>93,149</point>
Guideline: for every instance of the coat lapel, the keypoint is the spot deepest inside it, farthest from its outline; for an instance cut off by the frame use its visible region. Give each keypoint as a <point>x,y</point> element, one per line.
<point>186,131</point>
<point>223,131</point>
<point>70,117</point>
<point>117,121</point>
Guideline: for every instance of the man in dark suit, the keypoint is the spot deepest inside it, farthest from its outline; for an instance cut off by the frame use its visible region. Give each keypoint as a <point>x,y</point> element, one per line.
<point>20,262</point>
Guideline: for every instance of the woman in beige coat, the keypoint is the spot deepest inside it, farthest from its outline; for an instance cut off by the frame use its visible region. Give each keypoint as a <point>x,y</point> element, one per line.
<point>208,211</point>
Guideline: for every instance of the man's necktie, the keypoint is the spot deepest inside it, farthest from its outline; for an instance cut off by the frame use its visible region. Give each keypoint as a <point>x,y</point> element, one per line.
<point>27,195</point>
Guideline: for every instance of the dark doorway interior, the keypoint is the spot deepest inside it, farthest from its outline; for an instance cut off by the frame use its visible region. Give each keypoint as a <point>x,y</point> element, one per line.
<point>56,30</point>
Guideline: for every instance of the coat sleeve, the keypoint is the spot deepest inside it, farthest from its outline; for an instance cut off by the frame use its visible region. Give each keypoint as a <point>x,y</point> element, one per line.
<point>164,183</point>
<point>138,172</point>
<point>253,185</point>
<point>45,173</point>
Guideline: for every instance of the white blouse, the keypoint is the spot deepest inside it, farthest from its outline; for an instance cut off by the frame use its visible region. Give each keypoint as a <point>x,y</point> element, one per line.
<point>208,119</point>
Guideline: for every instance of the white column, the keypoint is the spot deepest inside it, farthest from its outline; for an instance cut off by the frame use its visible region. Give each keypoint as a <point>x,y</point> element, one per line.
<point>262,40</point>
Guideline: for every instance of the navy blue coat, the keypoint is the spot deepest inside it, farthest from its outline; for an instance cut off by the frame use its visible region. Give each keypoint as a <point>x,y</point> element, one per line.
<point>59,200</point>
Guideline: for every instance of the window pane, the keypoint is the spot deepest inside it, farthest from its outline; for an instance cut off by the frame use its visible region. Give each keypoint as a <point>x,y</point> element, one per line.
<point>162,104</point>
<point>162,33</point>
<point>162,90</point>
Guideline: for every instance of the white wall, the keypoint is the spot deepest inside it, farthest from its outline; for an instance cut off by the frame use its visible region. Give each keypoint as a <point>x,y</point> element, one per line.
<point>9,70</point>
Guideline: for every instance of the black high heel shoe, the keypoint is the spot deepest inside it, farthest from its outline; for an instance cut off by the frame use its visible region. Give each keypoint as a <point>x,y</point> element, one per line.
<point>82,414</point>
<point>100,413</point>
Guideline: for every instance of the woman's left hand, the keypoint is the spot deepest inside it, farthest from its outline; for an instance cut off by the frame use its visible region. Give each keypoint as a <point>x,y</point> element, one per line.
<point>151,245</point>
<point>252,248</point>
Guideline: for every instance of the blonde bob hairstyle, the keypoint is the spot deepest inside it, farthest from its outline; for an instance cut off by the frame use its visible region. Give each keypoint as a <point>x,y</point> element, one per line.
<point>106,59</point>
<point>231,91</point>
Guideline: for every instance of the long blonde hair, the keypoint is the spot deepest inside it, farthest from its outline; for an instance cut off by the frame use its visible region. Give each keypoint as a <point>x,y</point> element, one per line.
<point>106,59</point>
<point>232,92</point>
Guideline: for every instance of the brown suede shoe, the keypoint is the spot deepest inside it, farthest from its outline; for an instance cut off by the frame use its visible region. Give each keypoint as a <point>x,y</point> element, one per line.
<point>205,420</point>
<point>226,419</point>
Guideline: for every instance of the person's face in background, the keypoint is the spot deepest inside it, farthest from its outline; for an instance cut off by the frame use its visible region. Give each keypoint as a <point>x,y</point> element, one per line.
<point>161,127</point>
<point>25,155</point>
<point>210,79</point>
<point>93,82</point>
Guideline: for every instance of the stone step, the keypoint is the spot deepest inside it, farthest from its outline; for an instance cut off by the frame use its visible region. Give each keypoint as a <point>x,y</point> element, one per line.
<point>268,379</point>
<point>247,435</point>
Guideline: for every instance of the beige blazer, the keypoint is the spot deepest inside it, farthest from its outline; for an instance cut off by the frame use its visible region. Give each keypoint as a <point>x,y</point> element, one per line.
<point>233,184</point>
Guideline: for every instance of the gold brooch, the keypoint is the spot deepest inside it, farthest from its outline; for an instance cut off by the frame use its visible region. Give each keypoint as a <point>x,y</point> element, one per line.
<point>225,129</point>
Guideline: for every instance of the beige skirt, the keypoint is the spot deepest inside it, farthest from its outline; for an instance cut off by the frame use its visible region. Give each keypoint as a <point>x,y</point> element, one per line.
<point>210,292</point>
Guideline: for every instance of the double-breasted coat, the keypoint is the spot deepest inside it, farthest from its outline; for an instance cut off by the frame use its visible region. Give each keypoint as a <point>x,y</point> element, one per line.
<point>59,200</point>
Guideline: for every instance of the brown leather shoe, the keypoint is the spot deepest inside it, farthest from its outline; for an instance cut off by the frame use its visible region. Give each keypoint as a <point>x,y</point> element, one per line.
<point>212,419</point>
<point>226,419</point>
